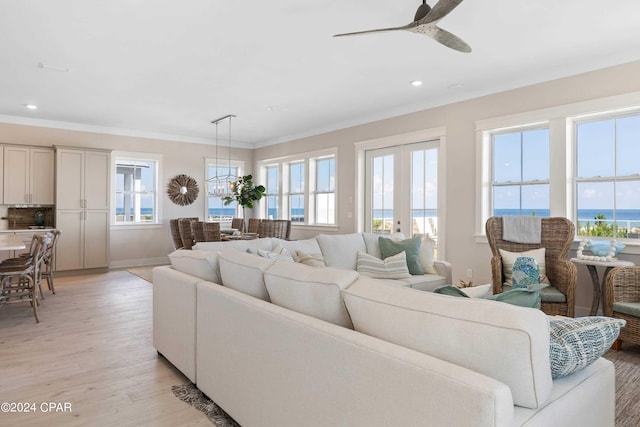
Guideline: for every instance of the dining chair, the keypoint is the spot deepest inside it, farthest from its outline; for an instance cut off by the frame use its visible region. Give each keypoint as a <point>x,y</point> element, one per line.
<point>274,228</point>
<point>175,233</point>
<point>212,232</point>
<point>197,231</point>
<point>237,224</point>
<point>254,223</point>
<point>48,268</point>
<point>184,225</point>
<point>18,280</point>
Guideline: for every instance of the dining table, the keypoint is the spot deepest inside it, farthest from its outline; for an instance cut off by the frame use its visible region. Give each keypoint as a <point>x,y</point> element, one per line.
<point>11,242</point>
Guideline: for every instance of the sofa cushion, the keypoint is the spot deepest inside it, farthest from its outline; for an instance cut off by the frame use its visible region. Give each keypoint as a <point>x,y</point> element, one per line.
<point>341,250</point>
<point>242,245</point>
<point>425,282</point>
<point>503,341</point>
<point>243,272</point>
<point>576,343</point>
<point>509,258</point>
<point>278,253</point>
<point>201,264</point>
<point>311,291</point>
<point>389,248</point>
<point>394,267</point>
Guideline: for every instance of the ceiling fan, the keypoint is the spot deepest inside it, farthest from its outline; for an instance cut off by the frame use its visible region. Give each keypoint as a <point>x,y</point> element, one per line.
<point>425,23</point>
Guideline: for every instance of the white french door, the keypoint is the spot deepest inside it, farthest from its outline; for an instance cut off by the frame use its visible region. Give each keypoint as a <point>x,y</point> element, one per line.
<point>401,184</point>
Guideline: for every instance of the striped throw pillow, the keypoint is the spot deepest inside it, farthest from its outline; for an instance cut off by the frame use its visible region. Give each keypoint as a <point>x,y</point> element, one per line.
<point>393,267</point>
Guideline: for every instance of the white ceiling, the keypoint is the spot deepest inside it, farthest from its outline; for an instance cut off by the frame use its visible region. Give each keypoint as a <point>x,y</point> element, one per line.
<point>166,68</point>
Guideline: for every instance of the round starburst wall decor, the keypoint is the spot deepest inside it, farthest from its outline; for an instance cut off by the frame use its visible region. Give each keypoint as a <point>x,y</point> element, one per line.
<point>182,190</point>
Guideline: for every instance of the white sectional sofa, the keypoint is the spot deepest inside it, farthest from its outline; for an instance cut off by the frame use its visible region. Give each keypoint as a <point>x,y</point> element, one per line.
<point>280,343</point>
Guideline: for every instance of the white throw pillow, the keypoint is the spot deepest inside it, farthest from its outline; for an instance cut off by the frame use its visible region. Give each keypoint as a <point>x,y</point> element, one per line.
<point>393,267</point>
<point>202,264</point>
<point>426,255</point>
<point>278,253</point>
<point>312,260</point>
<point>243,272</point>
<point>509,258</point>
<point>311,291</point>
<point>503,341</point>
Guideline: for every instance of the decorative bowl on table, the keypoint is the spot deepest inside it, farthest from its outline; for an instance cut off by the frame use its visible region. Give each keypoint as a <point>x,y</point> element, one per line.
<point>603,247</point>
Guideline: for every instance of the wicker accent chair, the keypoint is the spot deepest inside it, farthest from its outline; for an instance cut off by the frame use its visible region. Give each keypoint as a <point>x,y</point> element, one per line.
<point>622,301</point>
<point>254,224</point>
<point>237,224</point>
<point>556,237</point>
<point>211,232</point>
<point>280,228</point>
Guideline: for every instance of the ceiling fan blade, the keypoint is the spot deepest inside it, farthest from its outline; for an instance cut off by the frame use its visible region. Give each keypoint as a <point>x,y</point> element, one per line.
<point>378,30</point>
<point>439,11</point>
<point>450,40</point>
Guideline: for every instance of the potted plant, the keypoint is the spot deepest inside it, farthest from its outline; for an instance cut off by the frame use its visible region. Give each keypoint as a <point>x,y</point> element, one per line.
<point>245,192</point>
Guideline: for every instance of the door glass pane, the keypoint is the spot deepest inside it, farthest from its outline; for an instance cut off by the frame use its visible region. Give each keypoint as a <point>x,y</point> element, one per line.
<point>382,194</point>
<point>424,192</point>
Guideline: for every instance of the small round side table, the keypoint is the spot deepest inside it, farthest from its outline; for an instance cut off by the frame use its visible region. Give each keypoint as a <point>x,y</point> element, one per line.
<point>599,286</point>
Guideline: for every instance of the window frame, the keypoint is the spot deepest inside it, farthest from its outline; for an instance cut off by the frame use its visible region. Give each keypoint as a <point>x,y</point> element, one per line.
<point>562,151</point>
<point>120,156</point>
<point>309,160</point>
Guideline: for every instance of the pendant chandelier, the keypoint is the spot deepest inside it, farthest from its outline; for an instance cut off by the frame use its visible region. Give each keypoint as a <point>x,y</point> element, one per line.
<point>220,185</point>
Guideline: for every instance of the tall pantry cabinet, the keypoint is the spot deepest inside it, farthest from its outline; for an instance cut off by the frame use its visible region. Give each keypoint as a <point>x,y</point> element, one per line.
<point>82,208</point>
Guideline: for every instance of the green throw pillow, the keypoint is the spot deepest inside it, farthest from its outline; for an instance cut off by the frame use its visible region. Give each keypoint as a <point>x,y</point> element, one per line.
<point>576,343</point>
<point>411,247</point>
<point>524,297</point>
<point>450,290</point>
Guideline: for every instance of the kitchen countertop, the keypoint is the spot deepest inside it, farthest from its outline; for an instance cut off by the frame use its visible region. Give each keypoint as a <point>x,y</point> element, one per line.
<point>26,230</point>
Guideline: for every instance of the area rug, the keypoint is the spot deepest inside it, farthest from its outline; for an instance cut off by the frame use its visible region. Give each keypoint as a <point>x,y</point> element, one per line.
<point>627,363</point>
<point>190,394</point>
<point>145,272</point>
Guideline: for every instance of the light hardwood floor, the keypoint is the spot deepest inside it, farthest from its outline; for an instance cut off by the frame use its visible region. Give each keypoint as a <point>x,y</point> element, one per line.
<point>93,350</point>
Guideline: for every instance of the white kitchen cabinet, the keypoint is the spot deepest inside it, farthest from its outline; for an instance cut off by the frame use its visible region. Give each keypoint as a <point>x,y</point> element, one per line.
<point>28,176</point>
<point>82,208</point>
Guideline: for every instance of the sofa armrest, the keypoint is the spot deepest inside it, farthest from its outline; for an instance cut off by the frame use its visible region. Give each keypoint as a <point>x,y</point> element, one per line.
<point>444,269</point>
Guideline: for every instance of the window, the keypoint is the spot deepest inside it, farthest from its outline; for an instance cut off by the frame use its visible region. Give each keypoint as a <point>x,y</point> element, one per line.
<point>296,192</point>
<point>577,161</point>
<point>301,188</point>
<point>136,189</point>
<point>520,173</point>
<point>608,177</point>
<point>325,191</point>
<point>272,195</point>
<point>216,209</point>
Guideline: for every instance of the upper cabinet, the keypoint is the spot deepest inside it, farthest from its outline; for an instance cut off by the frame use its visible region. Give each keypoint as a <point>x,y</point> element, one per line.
<point>82,179</point>
<point>28,176</point>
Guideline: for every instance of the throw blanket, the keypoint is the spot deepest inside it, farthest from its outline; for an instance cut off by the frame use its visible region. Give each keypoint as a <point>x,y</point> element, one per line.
<point>521,229</point>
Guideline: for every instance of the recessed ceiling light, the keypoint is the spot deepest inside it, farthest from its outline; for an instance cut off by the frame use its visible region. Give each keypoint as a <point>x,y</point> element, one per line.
<point>31,106</point>
<point>416,83</point>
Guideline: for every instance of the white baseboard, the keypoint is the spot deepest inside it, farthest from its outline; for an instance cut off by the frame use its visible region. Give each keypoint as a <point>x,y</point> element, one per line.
<point>139,262</point>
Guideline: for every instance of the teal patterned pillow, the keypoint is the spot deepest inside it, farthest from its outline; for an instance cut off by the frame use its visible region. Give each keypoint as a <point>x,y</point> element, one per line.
<point>389,248</point>
<point>576,343</point>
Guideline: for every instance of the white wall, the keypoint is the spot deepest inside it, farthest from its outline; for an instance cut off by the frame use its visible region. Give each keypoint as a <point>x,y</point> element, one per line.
<point>459,120</point>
